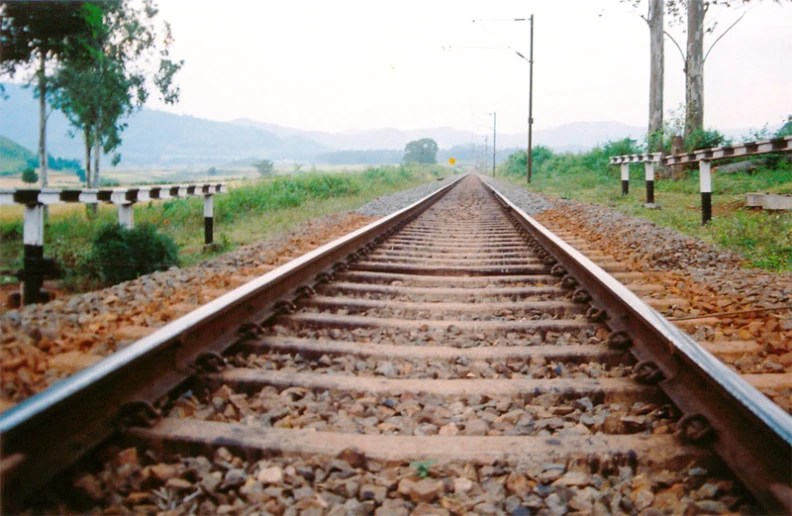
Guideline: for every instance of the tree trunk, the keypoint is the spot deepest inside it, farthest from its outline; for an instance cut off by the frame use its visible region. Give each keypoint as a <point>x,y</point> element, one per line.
<point>655,135</point>
<point>694,68</point>
<point>87,135</point>
<point>42,118</point>
<point>97,151</point>
<point>90,209</point>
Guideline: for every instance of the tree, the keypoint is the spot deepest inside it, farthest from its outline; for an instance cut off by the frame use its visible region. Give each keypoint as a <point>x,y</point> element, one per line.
<point>265,167</point>
<point>29,176</point>
<point>654,19</point>
<point>420,151</point>
<point>692,14</point>
<point>105,77</point>
<point>38,30</point>
<point>656,74</point>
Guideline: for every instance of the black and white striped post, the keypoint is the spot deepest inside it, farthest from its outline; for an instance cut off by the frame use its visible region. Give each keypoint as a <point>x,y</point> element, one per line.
<point>209,219</point>
<point>625,178</point>
<point>705,180</point>
<point>649,166</point>
<point>33,239</point>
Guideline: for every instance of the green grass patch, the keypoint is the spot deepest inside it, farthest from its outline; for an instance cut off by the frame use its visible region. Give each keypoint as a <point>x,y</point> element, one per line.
<point>252,210</point>
<point>763,238</point>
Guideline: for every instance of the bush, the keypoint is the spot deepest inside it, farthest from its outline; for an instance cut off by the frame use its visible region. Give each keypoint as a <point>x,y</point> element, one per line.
<point>516,164</point>
<point>29,176</point>
<point>786,129</point>
<point>121,254</point>
<point>704,139</point>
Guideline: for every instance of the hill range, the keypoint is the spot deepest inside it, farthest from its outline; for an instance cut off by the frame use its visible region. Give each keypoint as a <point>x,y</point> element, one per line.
<point>156,139</point>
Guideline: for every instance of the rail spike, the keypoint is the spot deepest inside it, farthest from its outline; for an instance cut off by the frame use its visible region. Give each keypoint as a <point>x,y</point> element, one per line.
<point>138,413</point>
<point>569,282</point>
<point>594,314</point>
<point>304,291</point>
<point>210,362</point>
<point>581,295</point>
<point>696,429</point>
<point>647,372</point>
<point>619,340</point>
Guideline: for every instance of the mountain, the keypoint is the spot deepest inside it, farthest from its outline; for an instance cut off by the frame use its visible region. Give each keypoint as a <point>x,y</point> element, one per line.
<point>572,137</point>
<point>13,157</point>
<point>154,138</point>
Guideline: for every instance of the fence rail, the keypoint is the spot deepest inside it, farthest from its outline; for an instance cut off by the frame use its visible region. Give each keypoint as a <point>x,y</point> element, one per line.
<point>36,267</point>
<point>704,158</point>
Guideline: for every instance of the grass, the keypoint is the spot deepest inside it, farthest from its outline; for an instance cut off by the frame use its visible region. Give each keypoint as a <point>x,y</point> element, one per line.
<point>252,210</point>
<point>763,238</point>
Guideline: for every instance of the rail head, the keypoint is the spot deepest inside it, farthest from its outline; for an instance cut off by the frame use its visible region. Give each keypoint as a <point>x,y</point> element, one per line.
<point>753,435</point>
<point>151,367</point>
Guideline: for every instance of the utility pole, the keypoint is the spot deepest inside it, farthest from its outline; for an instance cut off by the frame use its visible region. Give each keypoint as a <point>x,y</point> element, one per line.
<point>530,101</point>
<point>494,134</point>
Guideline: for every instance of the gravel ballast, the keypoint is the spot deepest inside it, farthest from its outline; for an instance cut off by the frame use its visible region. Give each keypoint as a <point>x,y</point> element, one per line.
<point>388,204</point>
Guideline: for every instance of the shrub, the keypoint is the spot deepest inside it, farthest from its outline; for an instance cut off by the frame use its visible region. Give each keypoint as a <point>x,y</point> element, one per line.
<point>108,182</point>
<point>121,254</point>
<point>516,164</point>
<point>29,176</point>
<point>704,139</point>
<point>785,129</point>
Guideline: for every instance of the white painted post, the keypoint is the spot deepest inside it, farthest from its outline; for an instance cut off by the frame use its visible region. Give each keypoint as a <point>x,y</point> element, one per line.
<point>208,219</point>
<point>625,178</point>
<point>649,182</point>
<point>705,179</point>
<point>33,239</point>
<point>33,228</point>
<point>126,216</point>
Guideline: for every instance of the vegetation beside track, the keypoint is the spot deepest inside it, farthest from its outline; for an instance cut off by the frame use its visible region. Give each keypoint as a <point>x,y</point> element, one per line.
<point>252,210</point>
<point>764,238</point>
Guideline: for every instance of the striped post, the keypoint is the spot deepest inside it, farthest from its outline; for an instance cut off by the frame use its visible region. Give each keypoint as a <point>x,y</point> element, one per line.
<point>625,178</point>
<point>705,179</point>
<point>33,238</point>
<point>649,182</point>
<point>208,219</point>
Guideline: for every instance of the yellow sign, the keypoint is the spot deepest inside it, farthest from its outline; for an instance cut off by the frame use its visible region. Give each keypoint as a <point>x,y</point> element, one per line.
<point>451,161</point>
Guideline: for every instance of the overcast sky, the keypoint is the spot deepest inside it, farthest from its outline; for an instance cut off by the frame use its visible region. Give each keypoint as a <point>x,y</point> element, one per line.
<point>338,65</point>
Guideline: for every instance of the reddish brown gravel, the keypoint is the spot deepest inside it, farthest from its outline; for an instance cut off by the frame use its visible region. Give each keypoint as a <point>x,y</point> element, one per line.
<point>42,344</point>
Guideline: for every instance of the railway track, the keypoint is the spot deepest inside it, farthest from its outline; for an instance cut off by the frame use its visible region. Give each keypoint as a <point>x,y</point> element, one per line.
<point>451,358</point>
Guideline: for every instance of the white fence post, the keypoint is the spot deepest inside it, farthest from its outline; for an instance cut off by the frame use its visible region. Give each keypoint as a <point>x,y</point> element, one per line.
<point>33,239</point>
<point>649,182</point>
<point>625,178</point>
<point>208,219</point>
<point>705,179</point>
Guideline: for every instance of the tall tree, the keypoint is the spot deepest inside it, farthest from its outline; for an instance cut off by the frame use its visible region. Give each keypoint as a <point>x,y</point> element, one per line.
<point>105,78</point>
<point>694,68</point>
<point>421,151</point>
<point>38,31</point>
<point>656,74</point>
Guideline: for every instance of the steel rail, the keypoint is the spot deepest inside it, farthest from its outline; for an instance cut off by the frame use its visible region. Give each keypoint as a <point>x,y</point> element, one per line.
<point>49,431</point>
<point>750,433</point>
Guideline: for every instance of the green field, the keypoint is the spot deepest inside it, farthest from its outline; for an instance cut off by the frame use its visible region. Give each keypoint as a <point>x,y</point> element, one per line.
<point>764,238</point>
<point>253,210</point>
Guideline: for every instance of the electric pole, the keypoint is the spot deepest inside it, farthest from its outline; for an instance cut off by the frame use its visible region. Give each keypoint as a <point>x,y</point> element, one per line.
<point>530,101</point>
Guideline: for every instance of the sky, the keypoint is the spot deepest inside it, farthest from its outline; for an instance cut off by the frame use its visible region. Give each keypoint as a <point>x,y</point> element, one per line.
<point>408,64</point>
